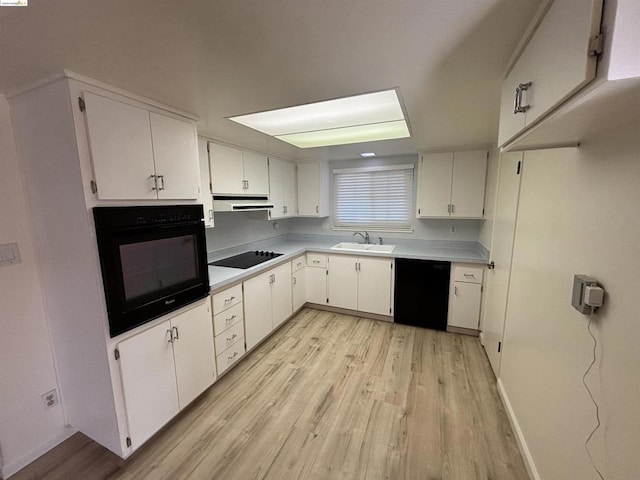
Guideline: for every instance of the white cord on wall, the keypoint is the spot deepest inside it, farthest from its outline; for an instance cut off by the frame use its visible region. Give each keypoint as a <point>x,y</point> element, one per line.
<point>584,382</point>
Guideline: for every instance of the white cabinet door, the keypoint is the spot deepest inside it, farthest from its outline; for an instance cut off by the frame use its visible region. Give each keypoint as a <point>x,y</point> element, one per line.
<point>316,285</point>
<point>257,309</point>
<point>556,61</point>
<point>374,285</point>
<point>434,184</point>
<point>175,152</point>
<point>226,167</point>
<point>342,282</point>
<point>467,189</point>
<point>465,305</point>
<point>256,173</point>
<point>276,188</point>
<point>290,192</point>
<point>148,381</point>
<point>298,288</point>
<point>193,352</point>
<point>121,149</point>
<point>308,185</point>
<point>281,300</point>
<point>313,189</point>
<point>205,183</point>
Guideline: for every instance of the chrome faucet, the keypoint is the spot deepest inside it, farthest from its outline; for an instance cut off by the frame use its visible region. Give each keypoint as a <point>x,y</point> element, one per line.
<point>364,236</point>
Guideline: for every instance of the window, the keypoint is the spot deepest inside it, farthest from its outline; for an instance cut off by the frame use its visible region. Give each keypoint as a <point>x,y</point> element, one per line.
<point>373,198</point>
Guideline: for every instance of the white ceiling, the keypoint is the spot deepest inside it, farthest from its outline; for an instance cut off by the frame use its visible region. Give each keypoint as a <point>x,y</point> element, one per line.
<point>220,58</point>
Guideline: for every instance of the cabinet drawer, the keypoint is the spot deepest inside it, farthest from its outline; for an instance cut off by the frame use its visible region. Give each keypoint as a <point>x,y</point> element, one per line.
<point>229,337</point>
<point>230,356</point>
<point>298,263</point>
<point>468,274</point>
<point>316,260</point>
<point>227,298</point>
<point>226,319</point>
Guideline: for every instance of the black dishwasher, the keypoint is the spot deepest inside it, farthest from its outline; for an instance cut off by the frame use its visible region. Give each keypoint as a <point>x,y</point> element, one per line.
<point>422,293</point>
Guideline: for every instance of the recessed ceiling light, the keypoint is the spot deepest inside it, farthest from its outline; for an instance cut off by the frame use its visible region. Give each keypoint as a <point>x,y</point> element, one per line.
<point>368,154</point>
<point>360,118</point>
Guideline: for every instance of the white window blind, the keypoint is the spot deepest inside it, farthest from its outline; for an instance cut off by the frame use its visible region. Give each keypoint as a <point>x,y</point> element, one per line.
<point>374,198</point>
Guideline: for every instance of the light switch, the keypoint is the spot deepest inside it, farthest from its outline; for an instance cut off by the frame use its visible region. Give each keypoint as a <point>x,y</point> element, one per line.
<point>9,254</point>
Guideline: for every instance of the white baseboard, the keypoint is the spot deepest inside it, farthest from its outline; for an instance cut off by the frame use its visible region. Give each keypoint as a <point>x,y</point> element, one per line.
<point>522,443</point>
<point>17,465</point>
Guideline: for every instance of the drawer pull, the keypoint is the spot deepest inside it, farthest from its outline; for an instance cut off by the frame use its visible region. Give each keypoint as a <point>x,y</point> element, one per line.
<point>469,275</point>
<point>230,299</point>
<point>230,319</point>
<point>235,354</point>
<point>316,261</point>
<point>232,337</point>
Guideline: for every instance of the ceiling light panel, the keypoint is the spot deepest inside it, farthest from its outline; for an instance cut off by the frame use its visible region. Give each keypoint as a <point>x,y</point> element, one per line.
<point>360,116</point>
<point>347,135</point>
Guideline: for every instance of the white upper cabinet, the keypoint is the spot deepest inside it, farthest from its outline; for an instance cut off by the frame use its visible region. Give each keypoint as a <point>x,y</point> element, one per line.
<point>238,172</point>
<point>175,153</point>
<point>282,188</point>
<point>205,183</point>
<point>554,65</point>
<point>313,189</point>
<point>452,184</point>
<point>256,173</point>
<point>138,154</point>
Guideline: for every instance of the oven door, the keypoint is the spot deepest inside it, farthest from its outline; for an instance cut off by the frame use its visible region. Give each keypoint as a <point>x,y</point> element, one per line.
<point>150,271</point>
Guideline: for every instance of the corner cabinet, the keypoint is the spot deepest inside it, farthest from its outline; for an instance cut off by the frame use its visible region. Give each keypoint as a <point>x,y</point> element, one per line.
<point>282,189</point>
<point>452,184</point>
<point>165,368</point>
<point>558,60</point>
<point>313,189</point>
<point>139,154</point>
<point>237,172</point>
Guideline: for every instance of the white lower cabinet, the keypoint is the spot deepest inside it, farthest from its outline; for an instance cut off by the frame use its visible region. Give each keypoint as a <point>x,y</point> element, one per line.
<point>316,278</point>
<point>164,368</point>
<point>465,294</point>
<point>228,326</point>
<point>267,303</point>
<point>360,283</point>
<point>298,283</point>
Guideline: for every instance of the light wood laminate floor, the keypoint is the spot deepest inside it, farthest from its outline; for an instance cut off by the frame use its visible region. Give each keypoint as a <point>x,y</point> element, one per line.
<point>328,396</point>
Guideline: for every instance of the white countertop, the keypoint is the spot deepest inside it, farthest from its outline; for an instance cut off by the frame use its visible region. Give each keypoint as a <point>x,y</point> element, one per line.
<point>221,277</point>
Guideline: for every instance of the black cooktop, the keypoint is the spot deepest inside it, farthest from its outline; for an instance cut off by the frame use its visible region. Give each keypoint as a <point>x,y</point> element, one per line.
<point>246,260</point>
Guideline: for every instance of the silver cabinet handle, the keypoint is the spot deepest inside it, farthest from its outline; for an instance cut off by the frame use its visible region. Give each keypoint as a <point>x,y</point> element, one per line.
<point>469,275</point>
<point>294,280</point>
<point>455,290</point>
<point>232,337</point>
<point>317,209</point>
<point>155,182</point>
<point>316,261</point>
<point>161,177</point>
<point>453,208</point>
<point>211,214</point>
<point>517,106</point>
<point>284,209</point>
<point>177,337</point>
<point>235,354</point>
<point>170,332</point>
<point>449,208</point>
<point>230,299</point>
<point>230,319</point>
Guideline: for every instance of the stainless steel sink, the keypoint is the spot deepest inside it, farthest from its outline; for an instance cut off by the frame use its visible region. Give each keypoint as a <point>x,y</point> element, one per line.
<point>363,247</point>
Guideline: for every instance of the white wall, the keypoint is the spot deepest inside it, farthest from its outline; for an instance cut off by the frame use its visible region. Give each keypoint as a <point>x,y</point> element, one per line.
<point>578,214</point>
<point>27,371</point>
<point>424,229</point>
<point>237,228</point>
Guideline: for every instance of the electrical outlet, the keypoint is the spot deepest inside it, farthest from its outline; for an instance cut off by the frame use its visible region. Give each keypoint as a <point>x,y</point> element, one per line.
<point>50,398</point>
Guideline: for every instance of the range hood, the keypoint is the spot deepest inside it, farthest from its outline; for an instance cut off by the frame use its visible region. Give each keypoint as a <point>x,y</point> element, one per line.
<point>240,204</point>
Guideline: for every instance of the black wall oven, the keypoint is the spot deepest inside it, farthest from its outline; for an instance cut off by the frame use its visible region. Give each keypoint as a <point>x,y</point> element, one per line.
<point>153,259</point>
